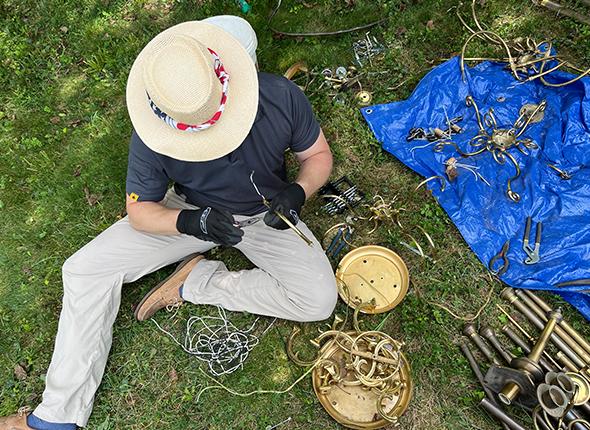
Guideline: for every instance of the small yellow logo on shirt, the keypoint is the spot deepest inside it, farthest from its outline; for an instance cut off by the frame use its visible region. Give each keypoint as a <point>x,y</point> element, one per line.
<point>133,197</point>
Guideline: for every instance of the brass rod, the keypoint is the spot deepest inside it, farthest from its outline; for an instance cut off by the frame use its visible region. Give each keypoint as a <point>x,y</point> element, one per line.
<point>575,346</point>
<point>511,389</point>
<point>477,372</point>
<point>470,331</point>
<point>566,362</point>
<point>489,334</point>
<point>545,335</point>
<point>525,334</point>
<point>564,325</point>
<point>500,415</point>
<point>523,344</point>
<point>508,295</point>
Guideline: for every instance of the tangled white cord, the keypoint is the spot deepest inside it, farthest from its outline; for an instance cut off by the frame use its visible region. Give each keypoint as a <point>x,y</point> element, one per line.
<point>218,342</point>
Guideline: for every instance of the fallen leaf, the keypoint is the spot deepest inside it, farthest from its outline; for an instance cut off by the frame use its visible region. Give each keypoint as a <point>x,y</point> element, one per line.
<point>173,375</point>
<point>54,119</point>
<point>430,24</point>
<point>20,373</point>
<point>401,31</point>
<point>74,122</point>
<point>92,199</point>
<point>77,171</point>
<point>27,270</point>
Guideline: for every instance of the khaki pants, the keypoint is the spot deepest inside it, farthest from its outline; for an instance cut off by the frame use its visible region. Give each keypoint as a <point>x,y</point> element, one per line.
<point>292,281</point>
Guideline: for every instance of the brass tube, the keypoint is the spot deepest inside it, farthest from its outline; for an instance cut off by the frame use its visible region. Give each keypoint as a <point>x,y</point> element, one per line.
<point>508,295</point>
<point>525,334</point>
<point>470,331</point>
<point>528,302</point>
<point>566,362</point>
<point>545,335</point>
<point>500,415</point>
<point>519,341</point>
<point>490,336</point>
<point>564,325</point>
<point>511,390</point>
<point>477,372</point>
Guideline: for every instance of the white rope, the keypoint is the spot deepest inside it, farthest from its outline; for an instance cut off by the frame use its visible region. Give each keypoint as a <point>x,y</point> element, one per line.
<point>218,342</point>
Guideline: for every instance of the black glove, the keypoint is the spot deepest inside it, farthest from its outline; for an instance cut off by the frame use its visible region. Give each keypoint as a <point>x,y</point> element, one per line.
<point>288,202</point>
<point>213,225</point>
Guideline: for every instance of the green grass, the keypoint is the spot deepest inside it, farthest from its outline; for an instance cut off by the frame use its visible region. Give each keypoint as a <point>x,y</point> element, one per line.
<point>64,128</point>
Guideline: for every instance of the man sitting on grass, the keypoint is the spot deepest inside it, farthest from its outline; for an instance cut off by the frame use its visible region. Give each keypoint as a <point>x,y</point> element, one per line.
<point>205,120</point>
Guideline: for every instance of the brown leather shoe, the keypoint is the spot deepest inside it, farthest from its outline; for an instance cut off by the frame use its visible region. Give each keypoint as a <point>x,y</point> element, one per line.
<point>166,292</point>
<point>16,422</point>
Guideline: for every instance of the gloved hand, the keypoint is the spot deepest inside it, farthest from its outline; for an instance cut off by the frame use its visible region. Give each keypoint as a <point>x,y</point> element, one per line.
<point>210,224</point>
<point>288,202</point>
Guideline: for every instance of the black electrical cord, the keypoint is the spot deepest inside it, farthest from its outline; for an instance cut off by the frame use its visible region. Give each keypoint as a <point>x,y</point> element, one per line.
<point>317,34</point>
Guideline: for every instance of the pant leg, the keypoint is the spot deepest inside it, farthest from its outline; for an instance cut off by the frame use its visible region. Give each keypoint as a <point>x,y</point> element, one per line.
<point>92,280</point>
<point>292,280</point>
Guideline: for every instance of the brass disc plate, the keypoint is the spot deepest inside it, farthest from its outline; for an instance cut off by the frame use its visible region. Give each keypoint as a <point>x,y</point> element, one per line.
<point>353,406</point>
<point>372,273</point>
<point>583,394</point>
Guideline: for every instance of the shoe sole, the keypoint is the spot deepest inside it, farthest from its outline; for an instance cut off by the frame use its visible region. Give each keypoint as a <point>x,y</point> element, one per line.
<point>157,287</point>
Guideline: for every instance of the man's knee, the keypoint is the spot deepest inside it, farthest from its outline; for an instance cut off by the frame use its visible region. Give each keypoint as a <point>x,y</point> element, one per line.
<point>72,266</point>
<point>322,299</point>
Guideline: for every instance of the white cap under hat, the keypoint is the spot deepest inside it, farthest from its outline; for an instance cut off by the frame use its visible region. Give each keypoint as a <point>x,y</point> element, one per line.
<point>239,28</point>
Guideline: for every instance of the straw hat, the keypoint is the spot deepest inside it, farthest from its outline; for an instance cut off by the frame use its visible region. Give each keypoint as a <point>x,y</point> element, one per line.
<point>192,93</point>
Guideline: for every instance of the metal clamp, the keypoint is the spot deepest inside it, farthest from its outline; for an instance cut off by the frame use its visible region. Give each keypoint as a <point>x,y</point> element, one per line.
<point>500,256</point>
<point>532,253</point>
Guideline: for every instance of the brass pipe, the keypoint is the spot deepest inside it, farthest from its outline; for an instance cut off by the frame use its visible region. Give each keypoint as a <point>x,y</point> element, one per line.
<point>554,317</point>
<point>508,295</point>
<point>490,336</point>
<point>511,390</point>
<point>519,341</point>
<point>526,334</point>
<point>470,331</point>
<point>500,415</point>
<point>477,372</point>
<point>564,325</point>
<point>566,362</point>
<point>528,302</point>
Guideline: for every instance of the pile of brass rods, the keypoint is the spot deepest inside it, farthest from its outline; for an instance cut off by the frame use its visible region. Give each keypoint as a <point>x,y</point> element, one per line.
<point>564,325</point>
<point>569,340</point>
<point>526,348</point>
<point>531,339</point>
<point>477,371</point>
<point>509,295</point>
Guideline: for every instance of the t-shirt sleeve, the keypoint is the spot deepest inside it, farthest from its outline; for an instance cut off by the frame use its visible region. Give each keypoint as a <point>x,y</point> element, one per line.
<point>305,127</point>
<point>146,179</point>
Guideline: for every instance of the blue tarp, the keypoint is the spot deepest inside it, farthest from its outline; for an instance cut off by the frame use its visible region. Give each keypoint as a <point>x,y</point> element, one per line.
<point>484,214</point>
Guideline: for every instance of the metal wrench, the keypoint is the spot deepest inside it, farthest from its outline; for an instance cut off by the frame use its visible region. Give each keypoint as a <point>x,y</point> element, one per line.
<point>532,253</point>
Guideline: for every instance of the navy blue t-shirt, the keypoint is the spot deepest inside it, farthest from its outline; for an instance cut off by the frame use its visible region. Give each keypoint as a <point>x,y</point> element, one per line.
<point>284,120</point>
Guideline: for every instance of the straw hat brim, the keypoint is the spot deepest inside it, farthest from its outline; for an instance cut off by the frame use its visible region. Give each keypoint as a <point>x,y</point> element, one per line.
<point>240,109</point>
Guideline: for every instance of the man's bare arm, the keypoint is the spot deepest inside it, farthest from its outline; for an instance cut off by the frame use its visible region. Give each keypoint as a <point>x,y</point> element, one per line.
<point>152,217</point>
<point>316,165</point>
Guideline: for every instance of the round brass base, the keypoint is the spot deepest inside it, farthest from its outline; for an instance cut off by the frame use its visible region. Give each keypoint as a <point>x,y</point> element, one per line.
<point>372,274</point>
<point>354,405</point>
